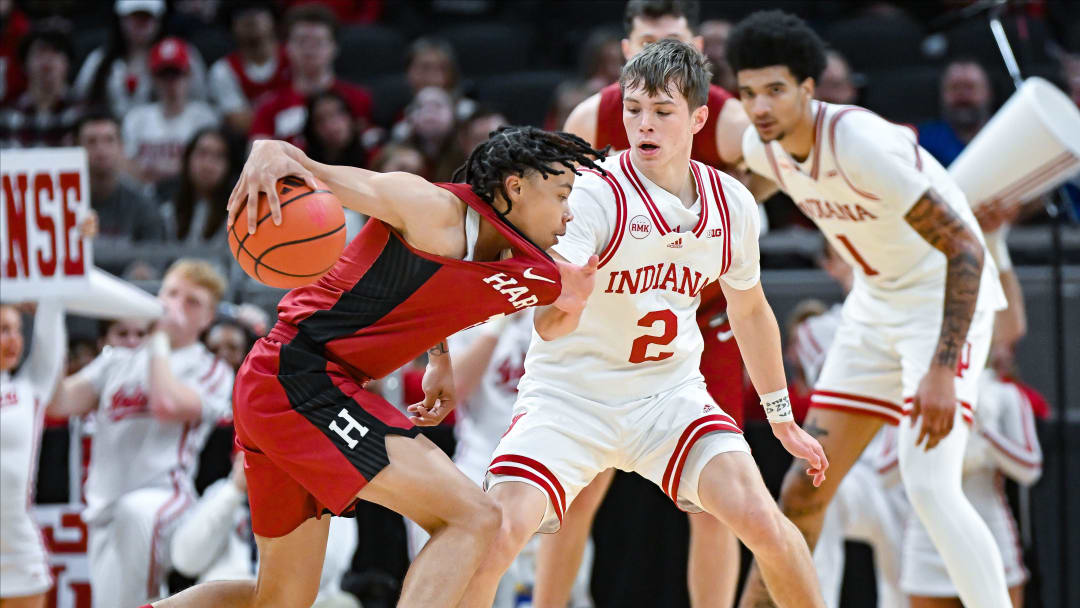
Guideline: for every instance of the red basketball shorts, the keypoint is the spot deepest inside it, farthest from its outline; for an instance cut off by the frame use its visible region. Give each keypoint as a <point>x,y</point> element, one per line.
<point>721,363</point>
<point>312,436</point>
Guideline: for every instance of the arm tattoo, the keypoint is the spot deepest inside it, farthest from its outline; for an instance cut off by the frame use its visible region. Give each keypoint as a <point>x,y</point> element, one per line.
<point>932,218</point>
<point>438,350</point>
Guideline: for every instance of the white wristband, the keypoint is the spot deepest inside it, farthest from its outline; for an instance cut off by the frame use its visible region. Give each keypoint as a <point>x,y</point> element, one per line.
<point>159,344</point>
<point>777,406</point>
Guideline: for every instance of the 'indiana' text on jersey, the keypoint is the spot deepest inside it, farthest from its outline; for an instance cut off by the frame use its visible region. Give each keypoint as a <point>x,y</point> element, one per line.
<point>824,210</point>
<point>675,277</point>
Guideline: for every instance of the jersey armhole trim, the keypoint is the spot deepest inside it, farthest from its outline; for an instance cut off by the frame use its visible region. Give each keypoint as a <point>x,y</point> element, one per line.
<point>725,218</point>
<point>620,217</point>
<point>772,164</point>
<point>819,120</point>
<point>703,195</point>
<point>832,148</point>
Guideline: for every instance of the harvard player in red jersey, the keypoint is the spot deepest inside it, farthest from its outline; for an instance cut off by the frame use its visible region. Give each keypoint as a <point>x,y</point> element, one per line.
<point>430,263</point>
<point>714,551</point>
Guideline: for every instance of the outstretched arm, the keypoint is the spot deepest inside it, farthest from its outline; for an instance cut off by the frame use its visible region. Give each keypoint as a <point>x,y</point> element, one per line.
<point>754,325</point>
<point>935,398</point>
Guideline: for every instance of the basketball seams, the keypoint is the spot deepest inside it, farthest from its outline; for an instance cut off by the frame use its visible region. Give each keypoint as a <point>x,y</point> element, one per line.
<point>258,260</point>
<point>262,219</point>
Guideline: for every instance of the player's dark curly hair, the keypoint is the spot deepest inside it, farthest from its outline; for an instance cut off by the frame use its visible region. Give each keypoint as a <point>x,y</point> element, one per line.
<point>768,38</point>
<point>514,150</point>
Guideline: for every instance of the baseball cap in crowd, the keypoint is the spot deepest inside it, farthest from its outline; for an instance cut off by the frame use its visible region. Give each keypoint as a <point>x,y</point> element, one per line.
<point>169,54</point>
<point>128,7</point>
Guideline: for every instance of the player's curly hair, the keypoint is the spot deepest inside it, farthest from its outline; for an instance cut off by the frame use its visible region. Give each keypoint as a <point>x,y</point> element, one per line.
<point>514,150</point>
<point>768,38</point>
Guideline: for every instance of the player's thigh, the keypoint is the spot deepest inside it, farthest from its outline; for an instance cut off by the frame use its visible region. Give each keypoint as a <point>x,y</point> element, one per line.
<point>588,500</point>
<point>423,484</point>
<point>290,566</point>
<point>558,444</point>
<point>843,435</point>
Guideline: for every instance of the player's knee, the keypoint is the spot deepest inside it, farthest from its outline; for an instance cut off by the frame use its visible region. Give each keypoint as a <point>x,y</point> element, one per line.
<point>487,517</point>
<point>760,525</point>
<point>927,495</point>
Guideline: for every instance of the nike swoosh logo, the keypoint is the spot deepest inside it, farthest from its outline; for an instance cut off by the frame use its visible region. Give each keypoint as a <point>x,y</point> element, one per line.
<point>724,336</point>
<point>528,274</point>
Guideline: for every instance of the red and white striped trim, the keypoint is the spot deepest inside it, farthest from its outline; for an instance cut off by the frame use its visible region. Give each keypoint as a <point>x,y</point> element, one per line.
<point>1014,534</point>
<point>1062,163</point>
<point>1026,457</point>
<point>965,409</point>
<point>725,217</point>
<point>213,367</point>
<point>695,430</point>
<point>832,148</point>
<point>703,196</point>
<point>620,216</point>
<point>835,400</point>
<point>166,514</point>
<point>512,465</point>
<point>639,186</point>
<point>819,120</point>
<point>775,167</point>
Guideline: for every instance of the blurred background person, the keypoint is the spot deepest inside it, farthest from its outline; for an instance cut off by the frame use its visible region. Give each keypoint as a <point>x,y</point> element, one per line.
<point>46,114</point>
<point>836,84</point>
<point>332,133</point>
<point>154,407</point>
<point>117,75</point>
<point>196,213</point>
<point>311,47</point>
<point>431,62</point>
<point>429,126</point>
<point>966,105</point>
<point>230,340</point>
<point>155,133</point>
<point>259,66</point>
<point>475,129</point>
<point>125,211</point>
<point>602,58</point>
<point>123,333</point>
<point>24,392</point>
<point>714,34</point>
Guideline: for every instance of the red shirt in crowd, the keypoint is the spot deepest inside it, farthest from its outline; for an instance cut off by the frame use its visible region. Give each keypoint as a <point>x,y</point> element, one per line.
<point>283,115</point>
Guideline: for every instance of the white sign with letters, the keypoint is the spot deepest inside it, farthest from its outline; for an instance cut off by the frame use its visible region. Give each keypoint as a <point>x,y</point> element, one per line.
<point>44,193</point>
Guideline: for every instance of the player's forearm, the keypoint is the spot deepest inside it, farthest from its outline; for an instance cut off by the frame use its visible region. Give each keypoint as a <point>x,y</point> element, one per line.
<point>552,323</point>
<point>354,188</point>
<point>1022,463</point>
<point>756,331</point>
<point>170,399</point>
<point>49,345</point>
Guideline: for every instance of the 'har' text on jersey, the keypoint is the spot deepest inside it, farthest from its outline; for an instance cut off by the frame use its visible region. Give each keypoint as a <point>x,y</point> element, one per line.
<point>516,293</point>
<point>672,277</point>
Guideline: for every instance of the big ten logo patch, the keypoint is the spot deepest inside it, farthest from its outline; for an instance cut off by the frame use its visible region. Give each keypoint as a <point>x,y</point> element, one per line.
<point>639,227</point>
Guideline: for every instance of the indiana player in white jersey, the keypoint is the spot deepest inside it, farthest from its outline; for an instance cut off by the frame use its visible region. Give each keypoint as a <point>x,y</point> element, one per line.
<point>1003,444</point>
<point>490,361</point>
<point>917,324</point>
<point>617,383</point>
<point>155,406</point>
<point>24,394</point>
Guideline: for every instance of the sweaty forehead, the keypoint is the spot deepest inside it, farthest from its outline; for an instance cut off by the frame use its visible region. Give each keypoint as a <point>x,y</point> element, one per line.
<point>667,26</point>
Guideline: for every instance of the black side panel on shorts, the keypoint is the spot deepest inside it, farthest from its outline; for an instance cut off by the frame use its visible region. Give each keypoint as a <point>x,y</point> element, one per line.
<point>394,276</point>
<point>313,395</point>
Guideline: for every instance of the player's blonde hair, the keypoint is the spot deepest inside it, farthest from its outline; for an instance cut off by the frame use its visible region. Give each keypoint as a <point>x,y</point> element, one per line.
<point>201,273</point>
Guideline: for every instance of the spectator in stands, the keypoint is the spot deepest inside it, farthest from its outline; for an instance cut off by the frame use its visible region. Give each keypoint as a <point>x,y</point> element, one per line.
<point>966,99</point>
<point>155,133</point>
<point>241,80</point>
<point>124,333</point>
<point>602,58</point>
<point>117,75</point>
<point>331,132</point>
<point>123,207</point>
<point>311,46</point>
<point>196,214</point>
<point>14,24</point>
<point>714,34</point>
<point>46,114</point>
<point>835,84</point>
<point>429,125</point>
<point>431,62</point>
<point>230,340</point>
<point>476,128</point>
<point>155,406</point>
<point>568,95</point>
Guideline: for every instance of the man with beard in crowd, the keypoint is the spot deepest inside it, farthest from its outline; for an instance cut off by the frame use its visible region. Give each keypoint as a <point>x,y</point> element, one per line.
<point>966,98</point>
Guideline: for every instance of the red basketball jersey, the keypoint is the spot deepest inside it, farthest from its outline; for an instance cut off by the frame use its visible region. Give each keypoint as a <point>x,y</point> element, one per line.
<point>255,91</point>
<point>610,130</point>
<point>386,302</point>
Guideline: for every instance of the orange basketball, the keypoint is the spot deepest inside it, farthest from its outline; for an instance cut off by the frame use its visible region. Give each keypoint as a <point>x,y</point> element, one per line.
<point>308,242</point>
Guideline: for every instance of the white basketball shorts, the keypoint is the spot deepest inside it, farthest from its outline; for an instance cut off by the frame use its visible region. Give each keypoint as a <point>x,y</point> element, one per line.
<point>24,564</point>
<point>875,369</point>
<point>558,442</point>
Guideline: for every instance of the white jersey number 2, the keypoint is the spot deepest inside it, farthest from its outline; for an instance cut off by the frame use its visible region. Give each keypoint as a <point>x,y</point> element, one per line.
<point>640,347</point>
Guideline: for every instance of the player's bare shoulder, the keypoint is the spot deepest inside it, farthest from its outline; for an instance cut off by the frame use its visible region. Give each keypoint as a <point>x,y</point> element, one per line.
<point>582,119</point>
<point>430,216</point>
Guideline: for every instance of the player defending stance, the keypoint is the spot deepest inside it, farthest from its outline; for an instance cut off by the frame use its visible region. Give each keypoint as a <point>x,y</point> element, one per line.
<point>713,567</point>
<point>429,264</point>
<point>917,323</point>
<point>616,384</point>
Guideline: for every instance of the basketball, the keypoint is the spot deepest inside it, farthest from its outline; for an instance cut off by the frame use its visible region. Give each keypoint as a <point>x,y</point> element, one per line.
<point>308,242</point>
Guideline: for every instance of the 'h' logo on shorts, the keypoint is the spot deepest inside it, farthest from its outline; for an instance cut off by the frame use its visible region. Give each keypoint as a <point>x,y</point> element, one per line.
<point>351,424</point>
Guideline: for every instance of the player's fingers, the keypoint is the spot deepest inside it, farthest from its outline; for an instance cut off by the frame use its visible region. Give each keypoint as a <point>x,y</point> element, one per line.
<point>592,264</point>
<point>234,201</point>
<point>275,205</point>
<point>252,207</point>
<point>309,178</point>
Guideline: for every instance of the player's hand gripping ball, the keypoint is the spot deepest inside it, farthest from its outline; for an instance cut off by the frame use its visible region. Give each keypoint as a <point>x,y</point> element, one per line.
<point>308,242</point>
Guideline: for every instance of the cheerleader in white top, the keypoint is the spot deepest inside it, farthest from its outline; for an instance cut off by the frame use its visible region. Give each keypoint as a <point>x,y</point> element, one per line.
<point>24,393</point>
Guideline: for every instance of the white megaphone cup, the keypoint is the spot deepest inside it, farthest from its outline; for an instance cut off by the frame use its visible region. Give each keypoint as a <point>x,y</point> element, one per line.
<point>1030,146</point>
